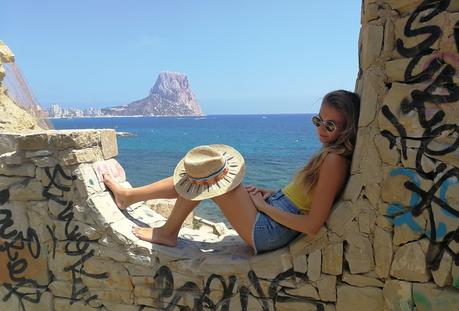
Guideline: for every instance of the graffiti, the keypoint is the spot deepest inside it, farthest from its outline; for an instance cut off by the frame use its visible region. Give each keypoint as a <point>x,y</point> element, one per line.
<point>77,245</point>
<point>14,242</point>
<point>202,300</point>
<point>441,89</point>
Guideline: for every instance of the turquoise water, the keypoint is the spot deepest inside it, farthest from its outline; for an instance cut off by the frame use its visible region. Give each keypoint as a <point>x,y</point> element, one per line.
<point>274,146</point>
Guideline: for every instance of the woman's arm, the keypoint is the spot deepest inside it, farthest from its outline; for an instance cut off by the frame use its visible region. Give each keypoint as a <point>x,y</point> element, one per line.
<point>332,178</point>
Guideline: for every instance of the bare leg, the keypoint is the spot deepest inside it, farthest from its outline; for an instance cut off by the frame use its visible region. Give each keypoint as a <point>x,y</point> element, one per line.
<point>163,189</point>
<point>167,234</point>
<point>236,205</point>
<point>238,208</point>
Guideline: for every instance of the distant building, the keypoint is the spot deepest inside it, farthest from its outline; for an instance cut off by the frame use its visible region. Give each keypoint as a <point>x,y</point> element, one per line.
<point>55,111</point>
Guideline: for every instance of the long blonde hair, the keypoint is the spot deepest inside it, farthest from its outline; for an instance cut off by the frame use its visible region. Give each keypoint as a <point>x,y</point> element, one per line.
<point>348,103</point>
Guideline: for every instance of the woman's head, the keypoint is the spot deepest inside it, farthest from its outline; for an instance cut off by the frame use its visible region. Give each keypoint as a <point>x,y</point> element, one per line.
<point>337,120</point>
<point>336,124</point>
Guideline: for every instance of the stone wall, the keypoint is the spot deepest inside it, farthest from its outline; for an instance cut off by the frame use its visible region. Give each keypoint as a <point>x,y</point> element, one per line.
<point>390,243</point>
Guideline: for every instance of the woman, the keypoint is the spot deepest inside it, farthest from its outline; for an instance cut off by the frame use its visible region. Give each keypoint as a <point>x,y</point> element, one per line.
<point>265,220</point>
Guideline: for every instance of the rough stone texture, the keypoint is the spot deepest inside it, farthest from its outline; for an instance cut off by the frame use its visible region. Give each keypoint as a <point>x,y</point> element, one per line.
<point>442,276</point>
<point>409,263</point>
<point>332,259</point>
<point>314,265</point>
<point>428,297</point>
<point>397,295</point>
<point>327,287</point>
<point>56,213</point>
<point>108,142</point>
<point>350,298</point>
<point>383,252</point>
<point>359,254</point>
<point>361,280</point>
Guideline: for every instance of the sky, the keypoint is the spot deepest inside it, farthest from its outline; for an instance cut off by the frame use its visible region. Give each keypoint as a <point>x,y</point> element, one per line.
<point>241,57</point>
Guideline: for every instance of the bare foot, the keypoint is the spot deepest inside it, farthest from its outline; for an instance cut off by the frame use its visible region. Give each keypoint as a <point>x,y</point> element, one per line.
<point>154,235</point>
<point>120,193</point>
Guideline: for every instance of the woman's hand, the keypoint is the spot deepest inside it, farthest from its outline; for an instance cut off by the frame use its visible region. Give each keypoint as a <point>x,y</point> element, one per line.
<point>254,190</point>
<point>258,201</point>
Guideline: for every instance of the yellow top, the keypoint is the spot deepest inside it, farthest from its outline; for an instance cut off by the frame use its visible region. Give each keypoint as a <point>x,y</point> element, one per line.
<point>296,194</point>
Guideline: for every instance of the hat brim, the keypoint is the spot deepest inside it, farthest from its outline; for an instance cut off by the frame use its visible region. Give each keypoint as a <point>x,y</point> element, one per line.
<point>236,170</point>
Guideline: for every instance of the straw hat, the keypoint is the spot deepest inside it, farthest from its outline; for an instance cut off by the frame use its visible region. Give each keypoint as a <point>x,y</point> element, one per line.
<point>208,171</point>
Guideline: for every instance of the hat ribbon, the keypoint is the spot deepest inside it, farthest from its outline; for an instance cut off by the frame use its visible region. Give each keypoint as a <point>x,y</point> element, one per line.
<point>212,178</point>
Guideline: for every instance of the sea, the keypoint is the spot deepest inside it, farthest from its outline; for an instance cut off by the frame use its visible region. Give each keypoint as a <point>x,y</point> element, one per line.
<point>274,146</point>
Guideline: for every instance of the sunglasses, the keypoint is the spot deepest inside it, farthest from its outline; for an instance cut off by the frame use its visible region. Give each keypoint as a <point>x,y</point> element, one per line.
<point>330,125</point>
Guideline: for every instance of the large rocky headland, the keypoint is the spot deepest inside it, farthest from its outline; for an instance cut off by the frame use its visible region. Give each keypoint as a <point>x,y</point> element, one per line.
<point>170,96</point>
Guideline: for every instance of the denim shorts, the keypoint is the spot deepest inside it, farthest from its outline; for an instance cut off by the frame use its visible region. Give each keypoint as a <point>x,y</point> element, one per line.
<point>268,234</point>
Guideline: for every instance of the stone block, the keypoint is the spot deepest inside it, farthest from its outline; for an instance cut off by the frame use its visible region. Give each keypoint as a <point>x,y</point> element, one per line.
<point>304,290</point>
<point>306,244</point>
<point>294,306</point>
<point>327,288</point>
<point>427,297</point>
<point>397,295</point>
<point>33,142</point>
<point>265,267</point>
<point>113,295</point>
<point>403,233</point>
<point>23,261</point>
<point>361,280</point>
<point>410,263</point>
<point>351,298</point>
<point>24,170</point>
<point>87,182</point>
<point>75,156</point>
<point>382,245</point>
<point>61,288</point>
<point>332,259</point>
<point>314,265</point>
<point>104,209</point>
<point>7,181</point>
<point>300,263</point>
<point>372,85</point>
<point>364,221</point>
<point>108,143</point>
<point>28,190</point>
<point>14,219</point>
<point>394,191</point>
<point>62,304</point>
<point>442,276</point>
<point>359,254</point>
<point>123,307</point>
<point>111,167</point>
<point>353,188</point>
<point>385,223</point>
<point>11,303</point>
<point>417,40</point>
<point>455,274</point>
<point>45,161</point>
<point>390,156</point>
<point>58,264</point>
<point>7,140</point>
<point>117,275</point>
<point>371,38</point>
<point>23,298</point>
<point>75,139</point>
<point>340,216</point>
<point>12,158</point>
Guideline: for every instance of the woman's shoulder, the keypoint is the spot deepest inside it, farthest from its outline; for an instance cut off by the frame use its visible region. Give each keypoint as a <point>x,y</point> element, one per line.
<point>334,160</point>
